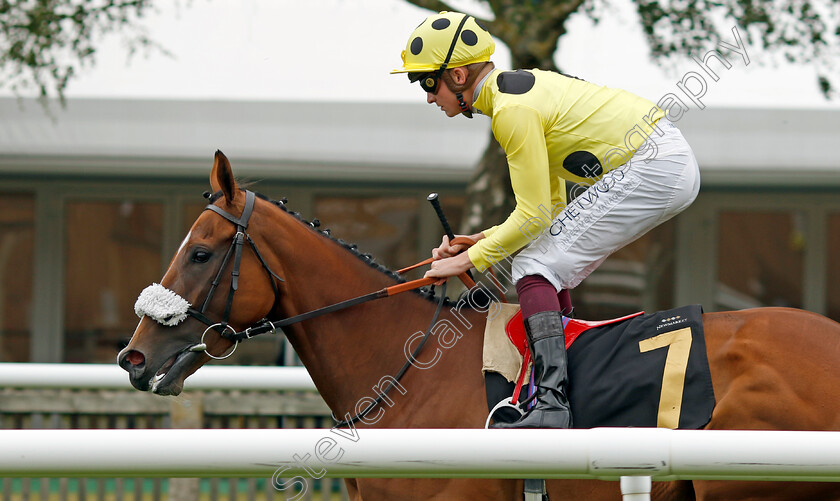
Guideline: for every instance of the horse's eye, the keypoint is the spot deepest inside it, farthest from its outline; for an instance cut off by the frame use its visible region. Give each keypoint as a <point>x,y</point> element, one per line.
<point>200,256</point>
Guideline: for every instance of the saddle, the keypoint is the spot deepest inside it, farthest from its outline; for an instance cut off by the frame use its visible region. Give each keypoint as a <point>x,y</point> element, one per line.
<point>572,327</point>
<point>643,370</point>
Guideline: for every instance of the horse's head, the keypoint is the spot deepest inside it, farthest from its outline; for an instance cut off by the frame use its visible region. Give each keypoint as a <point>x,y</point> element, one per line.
<point>183,318</point>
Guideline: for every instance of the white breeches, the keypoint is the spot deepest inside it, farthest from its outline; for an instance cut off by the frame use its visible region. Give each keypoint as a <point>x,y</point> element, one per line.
<point>660,181</point>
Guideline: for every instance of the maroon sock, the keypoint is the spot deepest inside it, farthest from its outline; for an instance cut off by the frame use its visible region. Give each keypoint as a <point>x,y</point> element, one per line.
<point>536,294</point>
<point>565,302</point>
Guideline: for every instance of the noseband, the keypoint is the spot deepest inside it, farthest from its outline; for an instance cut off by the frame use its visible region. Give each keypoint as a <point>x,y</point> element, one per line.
<point>168,308</point>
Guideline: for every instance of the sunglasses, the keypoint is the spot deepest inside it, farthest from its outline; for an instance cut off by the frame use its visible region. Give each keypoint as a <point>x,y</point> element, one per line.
<point>428,81</point>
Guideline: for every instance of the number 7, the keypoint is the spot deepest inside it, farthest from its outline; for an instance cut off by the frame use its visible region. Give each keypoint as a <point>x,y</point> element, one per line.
<point>673,377</point>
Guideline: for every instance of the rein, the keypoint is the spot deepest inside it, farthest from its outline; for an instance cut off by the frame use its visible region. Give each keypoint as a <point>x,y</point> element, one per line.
<point>408,363</point>
<point>265,326</point>
<point>268,326</point>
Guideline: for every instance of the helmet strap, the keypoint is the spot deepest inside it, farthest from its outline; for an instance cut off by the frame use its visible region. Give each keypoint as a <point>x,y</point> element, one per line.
<point>466,110</point>
<point>443,66</point>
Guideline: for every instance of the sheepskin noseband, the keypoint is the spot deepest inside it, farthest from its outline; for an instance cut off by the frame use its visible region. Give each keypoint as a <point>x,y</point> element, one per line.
<point>162,305</point>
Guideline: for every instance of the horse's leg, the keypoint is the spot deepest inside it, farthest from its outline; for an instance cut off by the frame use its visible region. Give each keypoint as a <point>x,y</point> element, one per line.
<point>595,490</point>
<point>679,490</point>
<point>352,489</point>
<point>766,491</point>
<point>772,369</point>
<point>576,490</point>
<point>444,489</point>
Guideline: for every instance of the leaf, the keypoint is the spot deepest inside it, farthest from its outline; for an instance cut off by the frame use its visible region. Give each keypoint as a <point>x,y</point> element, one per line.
<point>50,40</point>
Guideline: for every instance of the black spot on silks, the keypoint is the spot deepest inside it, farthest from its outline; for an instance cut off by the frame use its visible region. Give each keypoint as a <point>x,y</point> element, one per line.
<point>440,24</point>
<point>583,164</point>
<point>416,46</point>
<point>515,82</point>
<point>469,37</point>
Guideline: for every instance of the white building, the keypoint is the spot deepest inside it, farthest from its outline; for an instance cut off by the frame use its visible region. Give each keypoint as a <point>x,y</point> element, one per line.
<point>97,196</point>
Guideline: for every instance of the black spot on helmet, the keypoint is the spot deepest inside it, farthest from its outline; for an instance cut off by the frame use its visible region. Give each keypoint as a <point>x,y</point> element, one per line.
<point>446,40</point>
<point>469,37</point>
<point>416,46</point>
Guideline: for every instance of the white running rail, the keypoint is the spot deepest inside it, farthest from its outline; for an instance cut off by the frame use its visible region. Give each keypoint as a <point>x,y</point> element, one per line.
<point>112,377</point>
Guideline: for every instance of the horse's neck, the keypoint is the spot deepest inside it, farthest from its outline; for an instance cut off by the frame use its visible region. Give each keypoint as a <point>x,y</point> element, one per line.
<point>348,352</point>
<point>352,354</point>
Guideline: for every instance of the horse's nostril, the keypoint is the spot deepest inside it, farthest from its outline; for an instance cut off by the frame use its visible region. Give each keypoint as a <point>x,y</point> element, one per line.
<point>135,358</point>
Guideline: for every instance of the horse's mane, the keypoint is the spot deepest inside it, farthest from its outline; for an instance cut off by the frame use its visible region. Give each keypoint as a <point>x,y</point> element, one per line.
<point>350,247</point>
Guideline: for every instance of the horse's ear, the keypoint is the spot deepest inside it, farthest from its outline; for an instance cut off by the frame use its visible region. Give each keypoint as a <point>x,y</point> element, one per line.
<point>221,178</point>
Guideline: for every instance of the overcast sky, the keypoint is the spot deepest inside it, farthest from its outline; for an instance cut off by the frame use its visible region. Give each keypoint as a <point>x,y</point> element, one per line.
<point>344,50</point>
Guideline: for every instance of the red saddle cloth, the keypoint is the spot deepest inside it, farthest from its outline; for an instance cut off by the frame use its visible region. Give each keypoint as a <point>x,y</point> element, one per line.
<point>572,327</point>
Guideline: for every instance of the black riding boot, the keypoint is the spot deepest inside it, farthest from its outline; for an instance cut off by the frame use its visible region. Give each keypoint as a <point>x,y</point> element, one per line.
<point>548,348</point>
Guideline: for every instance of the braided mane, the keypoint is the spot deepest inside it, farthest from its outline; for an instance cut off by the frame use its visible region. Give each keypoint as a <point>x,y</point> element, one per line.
<point>351,247</point>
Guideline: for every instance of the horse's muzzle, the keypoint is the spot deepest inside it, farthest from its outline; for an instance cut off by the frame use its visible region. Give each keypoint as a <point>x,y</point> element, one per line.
<point>165,379</point>
<point>134,362</point>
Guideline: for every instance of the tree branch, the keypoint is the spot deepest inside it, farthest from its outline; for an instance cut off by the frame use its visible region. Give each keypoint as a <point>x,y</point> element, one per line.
<point>798,31</point>
<point>48,40</point>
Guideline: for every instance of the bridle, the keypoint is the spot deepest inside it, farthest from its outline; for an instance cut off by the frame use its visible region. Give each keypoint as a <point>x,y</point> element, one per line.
<point>235,251</point>
<point>265,326</point>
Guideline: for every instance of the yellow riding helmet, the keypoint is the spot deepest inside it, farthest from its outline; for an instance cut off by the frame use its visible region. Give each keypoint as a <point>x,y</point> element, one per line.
<point>446,40</point>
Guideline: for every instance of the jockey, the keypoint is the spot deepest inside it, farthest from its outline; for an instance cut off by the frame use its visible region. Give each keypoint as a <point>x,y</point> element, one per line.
<point>631,167</point>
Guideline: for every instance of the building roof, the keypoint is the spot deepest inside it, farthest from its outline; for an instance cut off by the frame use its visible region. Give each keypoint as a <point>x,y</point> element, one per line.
<point>765,146</point>
<point>286,140</point>
<point>365,141</point>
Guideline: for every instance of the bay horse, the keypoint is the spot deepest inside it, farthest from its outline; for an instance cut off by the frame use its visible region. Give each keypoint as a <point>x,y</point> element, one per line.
<point>771,368</point>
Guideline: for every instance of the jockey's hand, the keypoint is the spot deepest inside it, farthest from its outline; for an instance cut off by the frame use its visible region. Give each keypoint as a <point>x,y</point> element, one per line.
<point>446,250</point>
<point>449,267</point>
